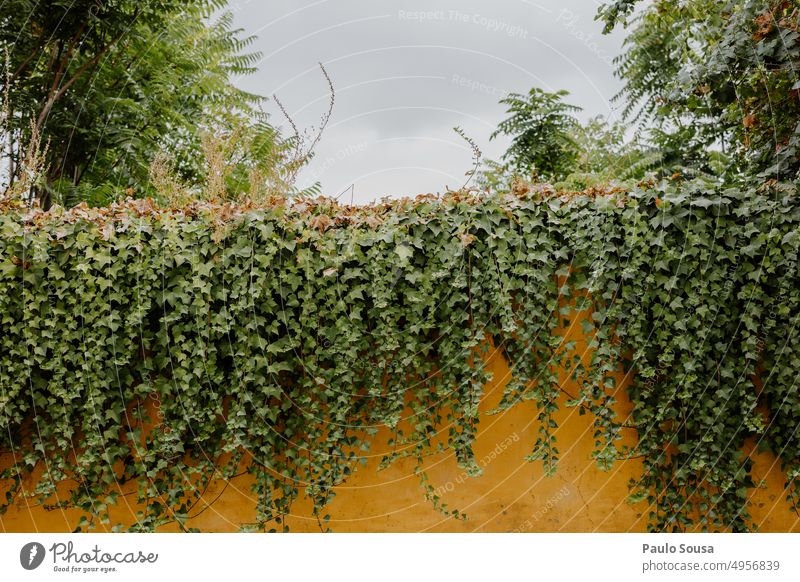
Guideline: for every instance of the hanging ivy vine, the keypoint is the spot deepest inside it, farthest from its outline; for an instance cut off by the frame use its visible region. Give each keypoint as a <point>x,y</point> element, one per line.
<point>171,348</point>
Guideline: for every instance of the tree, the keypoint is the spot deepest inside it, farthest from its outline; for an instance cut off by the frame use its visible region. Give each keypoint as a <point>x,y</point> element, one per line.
<point>571,154</point>
<point>716,81</point>
<point>111,86</point>
<point>540,127</point>
<point>606,157</point>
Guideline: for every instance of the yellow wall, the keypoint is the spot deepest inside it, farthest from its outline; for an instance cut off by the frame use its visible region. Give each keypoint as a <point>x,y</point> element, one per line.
<point>511,495</point>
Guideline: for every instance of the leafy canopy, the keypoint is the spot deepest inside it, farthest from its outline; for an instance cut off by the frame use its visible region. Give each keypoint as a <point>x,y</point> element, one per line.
<point>102,89</point>
<point>550,144</point>
<point>540,125</point>
<point>717,82</point>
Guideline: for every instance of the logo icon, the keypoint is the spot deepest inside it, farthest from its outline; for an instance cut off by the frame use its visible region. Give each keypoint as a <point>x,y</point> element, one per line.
<point>31,555</point>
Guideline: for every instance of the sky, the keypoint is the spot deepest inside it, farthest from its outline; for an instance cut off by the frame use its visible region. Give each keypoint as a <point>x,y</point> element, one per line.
<point>407,72</point>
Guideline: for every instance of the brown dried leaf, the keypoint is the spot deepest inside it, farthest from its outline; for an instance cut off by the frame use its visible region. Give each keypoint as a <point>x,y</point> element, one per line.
<point>466,239</point>
<point>373,221</point>
<point>321,222</point>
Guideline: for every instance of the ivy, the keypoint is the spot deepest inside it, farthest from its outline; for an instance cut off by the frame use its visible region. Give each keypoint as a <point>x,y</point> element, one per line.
<point>146,351</point>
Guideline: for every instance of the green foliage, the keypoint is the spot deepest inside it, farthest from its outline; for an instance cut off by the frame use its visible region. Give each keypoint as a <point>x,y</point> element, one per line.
<point>594,154</point>
<point>612,13</point>
<point>276,340</point>
<point>717,81</point>
<point>540,126</point>
<point>606,158</point>
<point>111,86</point>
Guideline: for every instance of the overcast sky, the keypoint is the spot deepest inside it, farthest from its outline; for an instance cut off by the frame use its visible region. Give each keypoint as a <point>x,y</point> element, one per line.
<point>406,73</point>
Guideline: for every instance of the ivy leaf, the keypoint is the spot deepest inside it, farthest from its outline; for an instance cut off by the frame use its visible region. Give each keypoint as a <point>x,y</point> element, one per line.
<point>404,251</point>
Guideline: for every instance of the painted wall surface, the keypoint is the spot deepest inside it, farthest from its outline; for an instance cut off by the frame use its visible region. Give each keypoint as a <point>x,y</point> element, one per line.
<point>512,495</point>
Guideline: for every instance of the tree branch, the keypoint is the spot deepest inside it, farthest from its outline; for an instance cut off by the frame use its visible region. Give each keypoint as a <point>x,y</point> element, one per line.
<point>79,73</point>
